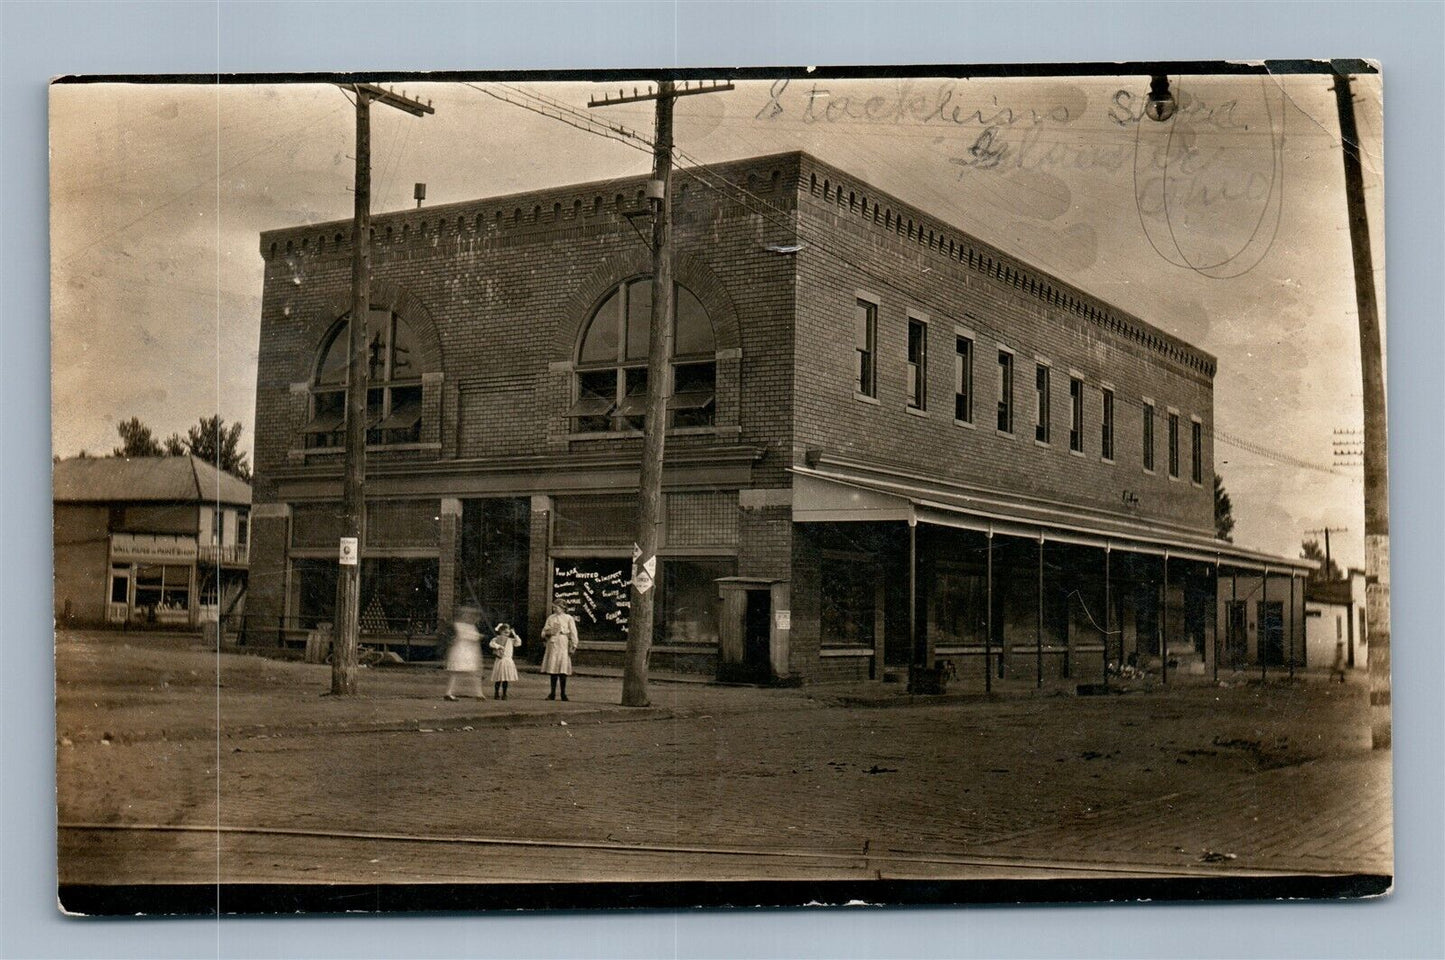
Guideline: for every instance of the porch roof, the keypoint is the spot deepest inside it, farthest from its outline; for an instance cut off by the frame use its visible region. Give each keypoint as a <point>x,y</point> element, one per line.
<point>835,490</point>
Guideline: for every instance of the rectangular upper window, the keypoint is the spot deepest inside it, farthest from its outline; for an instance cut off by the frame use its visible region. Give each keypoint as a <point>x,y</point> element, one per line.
<point>917,364</point>
<point>1076,414</point>
<point>963,380</point>
<point>1148,436</point>
<point>1006,391</point>
<point>1196,448</point>
<point>1041,388</point>
<point>865,347</point>
<point>1107,429</point>
<point>1174,445</point>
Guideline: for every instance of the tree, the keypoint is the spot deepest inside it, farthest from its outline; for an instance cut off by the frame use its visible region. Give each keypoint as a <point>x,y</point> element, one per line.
<point>1223,511</point>
<point>211,439</point>
<point>136,440</point>
<point>1328,569</point>
<point>218,445</point>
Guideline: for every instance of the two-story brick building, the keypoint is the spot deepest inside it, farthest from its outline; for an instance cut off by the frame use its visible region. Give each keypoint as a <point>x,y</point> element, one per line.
<point>889,443</point>
<point>150,541</point>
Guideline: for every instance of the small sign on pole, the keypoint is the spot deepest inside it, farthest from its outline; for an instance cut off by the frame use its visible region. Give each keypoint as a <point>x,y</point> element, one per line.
<point>348,551</point>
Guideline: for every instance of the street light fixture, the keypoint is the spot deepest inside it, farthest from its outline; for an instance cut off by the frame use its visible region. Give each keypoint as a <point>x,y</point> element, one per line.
<point>1161,105</point>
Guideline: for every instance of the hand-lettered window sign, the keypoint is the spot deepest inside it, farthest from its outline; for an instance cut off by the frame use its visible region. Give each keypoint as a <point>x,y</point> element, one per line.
<point>596,591</point>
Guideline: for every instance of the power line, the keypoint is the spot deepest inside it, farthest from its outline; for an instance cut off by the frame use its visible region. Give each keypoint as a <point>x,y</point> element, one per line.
<point>220,172</point>
<point>779,217</point>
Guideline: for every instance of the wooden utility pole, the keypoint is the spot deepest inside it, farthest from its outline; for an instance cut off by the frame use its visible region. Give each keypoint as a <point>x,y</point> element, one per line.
<point>1326,531</point>
<point>659,385</point>
<point>353,497</point>
<point>1372,373</point>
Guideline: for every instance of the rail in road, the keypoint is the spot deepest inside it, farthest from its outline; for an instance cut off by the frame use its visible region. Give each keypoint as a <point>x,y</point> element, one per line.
<point>866,860</point>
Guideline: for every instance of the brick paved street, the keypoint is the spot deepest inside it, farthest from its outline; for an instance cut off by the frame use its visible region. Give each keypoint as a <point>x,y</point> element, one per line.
<point>711,782</point>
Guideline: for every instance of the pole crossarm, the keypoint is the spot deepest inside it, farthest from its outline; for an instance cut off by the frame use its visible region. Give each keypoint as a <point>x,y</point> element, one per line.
<point>391,98</point>
<point>686,90</point>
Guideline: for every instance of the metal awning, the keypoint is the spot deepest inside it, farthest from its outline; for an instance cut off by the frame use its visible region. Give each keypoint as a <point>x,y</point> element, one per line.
<point>691,400</point>
<point>591,406</point>
<point>324,423</point>
<point>633,406</point>
<point>840,492</point>
<point>402,418</point>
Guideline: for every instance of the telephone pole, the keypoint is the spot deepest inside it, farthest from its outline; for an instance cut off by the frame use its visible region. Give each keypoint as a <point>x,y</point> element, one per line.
<point>1372,373</point>
<point>353,497</point>
<point>659,383</point>
<point>1326,531</point>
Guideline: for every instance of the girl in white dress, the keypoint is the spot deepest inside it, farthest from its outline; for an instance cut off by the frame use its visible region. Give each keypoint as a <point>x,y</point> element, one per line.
<point>560,636</point>
<point>504,670</point>
<point>464,656</point>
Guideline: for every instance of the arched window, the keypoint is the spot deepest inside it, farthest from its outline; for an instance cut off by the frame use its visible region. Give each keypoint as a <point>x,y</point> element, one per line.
<point>393,396</point>
<point>612,362</point>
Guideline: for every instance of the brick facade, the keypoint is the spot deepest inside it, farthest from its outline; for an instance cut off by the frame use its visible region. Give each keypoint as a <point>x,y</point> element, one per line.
<point>498,292</point>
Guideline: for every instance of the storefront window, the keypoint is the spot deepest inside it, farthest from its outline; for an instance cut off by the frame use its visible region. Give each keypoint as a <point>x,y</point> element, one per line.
<point>687,600</point>
<point>597,592</point>
<point>959,607</point>
<point>849,602</point>
<point>398,595</point>
<point>162,589</point>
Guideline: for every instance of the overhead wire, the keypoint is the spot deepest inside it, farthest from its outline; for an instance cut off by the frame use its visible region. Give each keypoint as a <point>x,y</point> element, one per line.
<point>720,185</point>
<point>270,144</point>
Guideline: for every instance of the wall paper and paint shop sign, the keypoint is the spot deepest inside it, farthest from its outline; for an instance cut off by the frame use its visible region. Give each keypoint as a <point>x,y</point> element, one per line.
<point>598,594</point>
<point>152,547</point>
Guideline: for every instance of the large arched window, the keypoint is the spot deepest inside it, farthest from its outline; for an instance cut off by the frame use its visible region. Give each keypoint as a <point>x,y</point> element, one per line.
<point>393,396</point>
<point>612,362</point>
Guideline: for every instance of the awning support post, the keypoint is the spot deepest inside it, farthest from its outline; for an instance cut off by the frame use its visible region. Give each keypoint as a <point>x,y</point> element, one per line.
<point>1163,616</point>
<point>1292,621</point>
<point>1233,600</point>
<point>914,656</point>
<point>1108,617</point>
<point>1039,620</point>
<point>1214,593</point>
<point>1261,644</point>
<point>988,617</point>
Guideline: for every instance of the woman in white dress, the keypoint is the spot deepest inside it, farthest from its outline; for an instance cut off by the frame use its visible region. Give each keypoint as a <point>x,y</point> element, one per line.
<point>464,655</point>
<point>504,670</point>
<point>560,635</point>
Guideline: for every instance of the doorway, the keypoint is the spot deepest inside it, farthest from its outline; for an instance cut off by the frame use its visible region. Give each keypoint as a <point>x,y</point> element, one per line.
<point>1271,632</point>
<point>757,631</point>
<point>1236,648</point>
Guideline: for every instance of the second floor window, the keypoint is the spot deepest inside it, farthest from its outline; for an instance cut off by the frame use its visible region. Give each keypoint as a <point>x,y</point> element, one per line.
<point>1041,386</point>
<point>612,362</point>
<point>393,397</point>
<point>865,347</point>
<point>1196,449</point>
<point>917,364</point>
<point>1076,414</point>
<point>1005,391</point>
<point>1107,429</point>
<point>1174,445</point>
<point>963,380</point>
<point>1148,436</point>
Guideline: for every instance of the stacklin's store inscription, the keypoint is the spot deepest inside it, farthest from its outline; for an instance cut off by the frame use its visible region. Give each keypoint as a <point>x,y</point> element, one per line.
<point>598,594</point>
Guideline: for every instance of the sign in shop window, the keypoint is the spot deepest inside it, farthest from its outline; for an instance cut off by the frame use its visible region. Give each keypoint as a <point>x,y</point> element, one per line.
<point>597,592</point>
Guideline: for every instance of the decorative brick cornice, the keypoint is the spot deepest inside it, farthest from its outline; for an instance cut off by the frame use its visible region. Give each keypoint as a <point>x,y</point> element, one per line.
<point>840,193</point>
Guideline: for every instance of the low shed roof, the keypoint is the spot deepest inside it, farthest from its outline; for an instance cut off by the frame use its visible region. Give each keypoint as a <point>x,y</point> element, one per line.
<point>186,479</point>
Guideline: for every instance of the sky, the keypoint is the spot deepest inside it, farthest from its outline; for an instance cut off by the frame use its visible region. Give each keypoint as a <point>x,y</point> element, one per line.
<point>1225,226</point>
